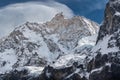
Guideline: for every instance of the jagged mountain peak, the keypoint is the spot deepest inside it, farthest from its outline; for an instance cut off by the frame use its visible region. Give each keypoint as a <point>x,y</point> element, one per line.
<point>58,17</point>
<point>34,44</point>
<point>63,23</point>
<point>108,37</point>
<point>111,19</point>
<point>110,29</point>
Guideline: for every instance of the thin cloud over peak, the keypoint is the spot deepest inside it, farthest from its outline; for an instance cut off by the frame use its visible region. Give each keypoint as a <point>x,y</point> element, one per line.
<point>16,14</point>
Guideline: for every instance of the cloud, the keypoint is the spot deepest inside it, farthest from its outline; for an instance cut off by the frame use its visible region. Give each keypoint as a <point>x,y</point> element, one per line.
<point>16,14</point>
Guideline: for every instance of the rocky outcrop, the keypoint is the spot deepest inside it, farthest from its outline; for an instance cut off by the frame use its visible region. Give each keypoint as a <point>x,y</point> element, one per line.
<point>18,75</point>
<point>111,20</point>
<point>106,63</point>
<point>66,73</point>
<point>107,73</point>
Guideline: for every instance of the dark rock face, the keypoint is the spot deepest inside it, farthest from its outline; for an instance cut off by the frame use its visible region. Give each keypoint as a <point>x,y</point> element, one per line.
<point>18,75</point>
<point>51,73</point>
<point>66,73</point>
<point>115,69</point>
<point>111,22</point>
<point>76,76</point>
<point>107,73</point>
<point>97,62</point>
<point>107,66</point>
<point>104,74</point>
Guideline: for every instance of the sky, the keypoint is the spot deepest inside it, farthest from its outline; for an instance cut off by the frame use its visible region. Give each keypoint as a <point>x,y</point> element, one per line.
<point>16,12</point>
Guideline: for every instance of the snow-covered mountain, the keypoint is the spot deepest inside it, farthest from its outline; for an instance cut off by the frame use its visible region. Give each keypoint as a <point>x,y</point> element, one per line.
<point>64,49</point>
<point>102,62</point>
<point>32,46</point>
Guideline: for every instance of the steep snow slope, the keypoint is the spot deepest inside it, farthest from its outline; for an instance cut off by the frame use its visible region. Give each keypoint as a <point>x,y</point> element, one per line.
<point>36,45</point>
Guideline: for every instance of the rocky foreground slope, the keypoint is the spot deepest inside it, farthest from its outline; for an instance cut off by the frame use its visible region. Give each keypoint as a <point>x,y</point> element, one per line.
<point>58,43</point>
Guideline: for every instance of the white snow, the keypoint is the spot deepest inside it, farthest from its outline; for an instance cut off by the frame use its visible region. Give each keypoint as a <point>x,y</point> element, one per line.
<point>90,40</point>
<point>55,38</point>
<point>108,64</point>
<point>43,50</point>
<point>33,71</point>
<point>102,45</point>
<point>67,60</point>
<point>48,74</point>
<point>31,35</point>
<point>117,13</point>
<point>10,58</point>
<point>98,69</point>
<point>76,71</point>
<point>90,26</point>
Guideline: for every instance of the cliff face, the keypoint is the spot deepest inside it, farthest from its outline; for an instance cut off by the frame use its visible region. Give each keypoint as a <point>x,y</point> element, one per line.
<point>106,63</point>
<point>108,37</point>
<point>111,23</point>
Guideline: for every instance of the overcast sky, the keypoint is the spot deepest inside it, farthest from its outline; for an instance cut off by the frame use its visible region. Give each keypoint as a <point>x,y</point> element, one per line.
<point>16,12</point>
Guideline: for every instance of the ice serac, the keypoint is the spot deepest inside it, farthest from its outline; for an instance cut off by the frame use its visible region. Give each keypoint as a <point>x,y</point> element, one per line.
<point>32,46</point>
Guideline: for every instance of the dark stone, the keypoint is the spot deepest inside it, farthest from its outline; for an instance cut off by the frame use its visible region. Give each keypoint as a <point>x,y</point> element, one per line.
<point>59,74</point>
<point>115,69</point>
<point>74,77</point>
<point>90,65</point>
<point>18,75</point>
<point>103,74</point>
